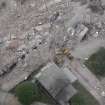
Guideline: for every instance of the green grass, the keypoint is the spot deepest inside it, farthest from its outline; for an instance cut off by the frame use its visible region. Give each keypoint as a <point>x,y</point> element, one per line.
<point>83,97</point>
<point>96,63</point>
<point>28,92</point>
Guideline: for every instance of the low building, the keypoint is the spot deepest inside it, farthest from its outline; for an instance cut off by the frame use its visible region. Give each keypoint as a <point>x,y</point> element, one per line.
<point>70,75</point>
<point>80,31</point>
<point>56,83</point>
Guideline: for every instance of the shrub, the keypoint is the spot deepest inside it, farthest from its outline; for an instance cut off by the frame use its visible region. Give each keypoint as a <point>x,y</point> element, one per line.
<point>27,92</point>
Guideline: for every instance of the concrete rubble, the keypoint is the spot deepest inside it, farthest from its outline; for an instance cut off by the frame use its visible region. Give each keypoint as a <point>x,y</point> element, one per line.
<point>49,33</point>
<point>31,31</point>
<point>8,99</point>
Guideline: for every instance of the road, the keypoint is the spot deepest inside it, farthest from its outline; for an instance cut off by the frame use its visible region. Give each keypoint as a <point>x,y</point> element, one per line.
<point>88,80</point>
<point>85,77</point>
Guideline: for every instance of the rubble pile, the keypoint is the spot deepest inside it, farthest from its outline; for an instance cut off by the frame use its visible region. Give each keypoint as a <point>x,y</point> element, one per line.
<point>31,43</point>
<point>96,6</point>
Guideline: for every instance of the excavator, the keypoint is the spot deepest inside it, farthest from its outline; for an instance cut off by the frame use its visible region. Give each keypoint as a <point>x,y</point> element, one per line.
<point>61,53</point>
<point>66,52</point>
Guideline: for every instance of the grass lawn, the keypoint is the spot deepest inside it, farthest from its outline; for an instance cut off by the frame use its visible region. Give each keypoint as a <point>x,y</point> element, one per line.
<point>96,63</point>
<point>83,97</point>
<point>28,92</point>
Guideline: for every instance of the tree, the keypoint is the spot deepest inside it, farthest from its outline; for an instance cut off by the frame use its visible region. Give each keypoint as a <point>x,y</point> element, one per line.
<point>27,92</point>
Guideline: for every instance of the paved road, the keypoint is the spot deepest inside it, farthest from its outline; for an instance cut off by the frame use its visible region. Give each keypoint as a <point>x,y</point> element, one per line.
<point>88,80</point>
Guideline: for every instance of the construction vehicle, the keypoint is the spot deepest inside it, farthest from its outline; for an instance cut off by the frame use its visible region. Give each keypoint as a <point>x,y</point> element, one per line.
<point>66,52</point>
<point>59,59</point>
<point>60,53</point>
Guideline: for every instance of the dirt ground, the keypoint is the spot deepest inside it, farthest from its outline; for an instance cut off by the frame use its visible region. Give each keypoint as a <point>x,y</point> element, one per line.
<point>26,27</point>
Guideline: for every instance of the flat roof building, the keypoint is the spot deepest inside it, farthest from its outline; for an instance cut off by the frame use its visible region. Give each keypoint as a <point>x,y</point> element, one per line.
<point>56,83</point>
<point>81,31</point>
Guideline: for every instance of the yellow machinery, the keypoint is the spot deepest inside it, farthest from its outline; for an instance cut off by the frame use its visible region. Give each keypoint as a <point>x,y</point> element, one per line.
<point>60,53</point>
<point>66,51</point>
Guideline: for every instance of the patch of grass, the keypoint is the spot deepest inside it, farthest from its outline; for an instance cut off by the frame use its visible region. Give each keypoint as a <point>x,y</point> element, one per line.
<point>96,63</point>
<point>83,97</point>
<point>28,92</point>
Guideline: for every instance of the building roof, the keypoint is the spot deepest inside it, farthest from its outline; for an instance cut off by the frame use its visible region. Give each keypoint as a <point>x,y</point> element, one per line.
<point>70,75</point>
<point>81,31</point>
<point>56,82</point>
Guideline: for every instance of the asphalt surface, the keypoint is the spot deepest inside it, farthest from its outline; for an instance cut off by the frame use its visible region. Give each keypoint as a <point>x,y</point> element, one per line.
<point>89,81</point>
